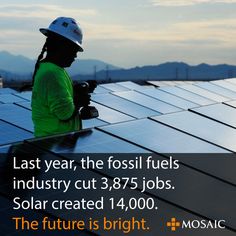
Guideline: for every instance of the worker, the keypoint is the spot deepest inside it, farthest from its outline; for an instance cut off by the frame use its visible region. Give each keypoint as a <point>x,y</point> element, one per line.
<point>54,103</point>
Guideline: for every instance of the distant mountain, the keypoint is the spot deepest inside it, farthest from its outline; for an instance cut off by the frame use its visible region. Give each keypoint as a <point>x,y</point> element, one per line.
<point>169,71</point>
<point>21,65</point>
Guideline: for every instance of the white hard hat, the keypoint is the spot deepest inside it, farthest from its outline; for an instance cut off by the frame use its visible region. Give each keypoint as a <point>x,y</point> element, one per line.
<point>66,27</point>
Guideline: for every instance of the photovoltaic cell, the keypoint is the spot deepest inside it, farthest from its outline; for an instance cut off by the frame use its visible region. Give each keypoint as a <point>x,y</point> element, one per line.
<point>219,112</point>
<point>160,138</point>
<point>11,134</point>
<point>147,101</point>
<point>169,98</point>
<point>114,87</point>
<point>16,115</point>
<point>91,123</point>
<point>100,89</point>
<point>204,93</point>
<point>201,127</point>
<point>131,85</point>
<point>225,84</point>
<point>217,89</point>
<point>10,98</point>
<point>109,115</point>
<point>192,97</point>
<point>26,95</point>
<point>26,105</point>
<point>124,105</point>
<point>7,91</point>
<point>92,141</point>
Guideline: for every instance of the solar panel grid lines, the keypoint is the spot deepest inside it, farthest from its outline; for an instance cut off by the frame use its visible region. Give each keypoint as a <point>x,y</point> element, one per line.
<point>25,95</point>
<point>219,112</point>
<point>204,93</point>
<point>192,97</point>
<point>114,87</point>
<point>231,103</point>
<point>16,115</point>
<point>225,84</point>
<point>191,123</point>
<point>217,89</point>
<point>25,105</point>
<point>10,98</point>
<point>123,105</point>
<point>169,98</point>
<point>11,134</point>
<point>147,101</point>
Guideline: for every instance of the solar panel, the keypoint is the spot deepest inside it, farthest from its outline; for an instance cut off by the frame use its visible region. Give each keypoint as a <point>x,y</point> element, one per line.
<point>147,101</point>
<point>169,98</point>
<point>11,134</point>
<point>225,84</point>
<point>231,80</point>
<point>92,123</point>
<point>131,85</point>
<point>201,127</point>
<point>219,112</point>
<point>160,138</point>
<point>114,87</point>
<point>124,105</point>
<point>26,105</point>
<point>158,83</point>
<point>10,98</point>
<point>7,91</point>
<point>26,95</point>
<point>17,115</point>
<point>231,103</point>
<point>88,141</point>
<point>100,89</point>
<point>192,97</point>
<point>217,89</point>
<point>204,93</point>
<point>109,115</point>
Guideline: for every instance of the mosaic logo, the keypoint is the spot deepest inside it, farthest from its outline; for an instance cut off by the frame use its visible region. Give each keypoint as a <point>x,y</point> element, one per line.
<point>195,224</point>
<point>173,224</point>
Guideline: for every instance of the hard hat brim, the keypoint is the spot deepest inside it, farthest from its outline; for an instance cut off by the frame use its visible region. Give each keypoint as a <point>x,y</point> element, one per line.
<point>46,32</point>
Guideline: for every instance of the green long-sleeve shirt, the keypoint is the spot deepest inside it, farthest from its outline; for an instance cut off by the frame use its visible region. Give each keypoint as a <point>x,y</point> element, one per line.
<point>52,101</point>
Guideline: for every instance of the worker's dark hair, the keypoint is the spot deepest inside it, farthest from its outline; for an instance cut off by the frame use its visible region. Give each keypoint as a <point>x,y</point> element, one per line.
<point>40,58</point>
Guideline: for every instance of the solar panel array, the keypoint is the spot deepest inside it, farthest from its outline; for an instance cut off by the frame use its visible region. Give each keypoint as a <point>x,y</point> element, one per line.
<point>166,117</point>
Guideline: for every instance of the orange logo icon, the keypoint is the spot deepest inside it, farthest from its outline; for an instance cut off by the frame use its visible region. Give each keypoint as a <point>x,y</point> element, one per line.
<point>173,224</point>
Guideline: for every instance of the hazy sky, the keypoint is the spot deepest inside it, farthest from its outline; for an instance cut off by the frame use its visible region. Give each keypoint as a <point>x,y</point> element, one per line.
<point>129,32</point>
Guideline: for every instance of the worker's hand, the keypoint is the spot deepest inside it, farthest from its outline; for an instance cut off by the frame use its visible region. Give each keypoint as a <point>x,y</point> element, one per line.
<point>81,95</point>
<point>92,85</point>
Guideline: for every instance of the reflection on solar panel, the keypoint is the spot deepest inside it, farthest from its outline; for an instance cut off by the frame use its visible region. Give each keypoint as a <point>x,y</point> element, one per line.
<point>225,84</point>
<point>231,80</point>
<point>100,89</point>
<point>92,123</point>
<point>26,95</point>
<point>7,91</point>
<point>201,127</point>
<point>114,87</point>
<point>92,141</point>
<point>131,85</point>
<point>124,105</point>
<point>204,93</point>
<point>219,112</point>
<point>10,98</point>
<point>217,89</point>
<point>169,98</point>
<point>192,97</point>
<point>16,115</point>
<point>109,115</point>
<point>147,101</point>
<point>11,134</point>
<point>160,138</point>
